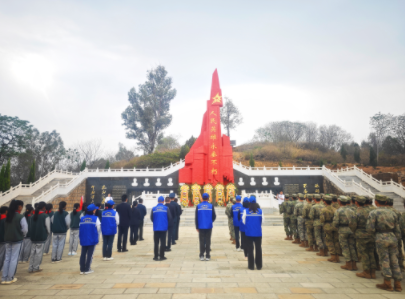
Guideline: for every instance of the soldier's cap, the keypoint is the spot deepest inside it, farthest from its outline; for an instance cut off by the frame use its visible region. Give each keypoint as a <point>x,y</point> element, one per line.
<point>334,196</point>
<point>361,199</point>
<point>327,198</point>
<point>381,198</point>
<point>322,195</point>
<point>308,195</point>
<point>294,195</point>
<point>317,196</point>
<point>390,200</point>
<point>287,195</point>
<point>343,198</point>
<point>205,196</point>
<point>300,195</point>
<point>172,195</point>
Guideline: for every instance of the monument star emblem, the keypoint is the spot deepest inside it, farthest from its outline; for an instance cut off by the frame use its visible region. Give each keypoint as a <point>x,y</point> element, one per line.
<point>217,99</point>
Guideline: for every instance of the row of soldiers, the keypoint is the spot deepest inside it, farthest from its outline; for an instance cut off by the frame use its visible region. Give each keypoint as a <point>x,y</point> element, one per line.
<point>351,227</point>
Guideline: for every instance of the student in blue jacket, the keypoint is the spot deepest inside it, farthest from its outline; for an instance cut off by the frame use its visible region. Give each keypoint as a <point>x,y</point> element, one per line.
<point>253,219</point>
<point>162,219</point>
<point>242,227</point>
<point>88,234</point>
<point>204,219</point>
<point>235,211</point>
<point>109,222</point>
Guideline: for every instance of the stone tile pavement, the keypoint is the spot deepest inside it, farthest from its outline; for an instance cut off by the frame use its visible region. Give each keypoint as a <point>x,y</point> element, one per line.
<point>289,272</point>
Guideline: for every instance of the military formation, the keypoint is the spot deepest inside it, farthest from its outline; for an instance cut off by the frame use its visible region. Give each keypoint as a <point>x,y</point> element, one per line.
<point>350,227</point>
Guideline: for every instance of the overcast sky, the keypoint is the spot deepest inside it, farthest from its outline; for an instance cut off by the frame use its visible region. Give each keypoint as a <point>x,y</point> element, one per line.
<point>68,65</point>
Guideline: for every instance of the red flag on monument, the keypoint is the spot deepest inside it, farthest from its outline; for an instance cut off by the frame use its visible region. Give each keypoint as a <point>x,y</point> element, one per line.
<point>81,204</point>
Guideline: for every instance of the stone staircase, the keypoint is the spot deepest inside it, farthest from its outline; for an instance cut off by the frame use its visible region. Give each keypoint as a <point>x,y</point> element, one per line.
<point>27,199</point>
<point>398,203</point>
<point>271,217</point>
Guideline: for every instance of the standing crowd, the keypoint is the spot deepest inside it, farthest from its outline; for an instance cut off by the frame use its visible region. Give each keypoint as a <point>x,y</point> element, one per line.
<point>351,227</point>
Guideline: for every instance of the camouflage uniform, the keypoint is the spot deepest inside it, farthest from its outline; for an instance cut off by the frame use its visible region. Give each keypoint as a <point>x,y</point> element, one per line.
<point>315,214</point>
<point>286,218</point>
<point>343,221</point>
<point>365,241</point>
<point>309,224</point>
<point>293,220</point>
<point>335,204</point>
<point>331,233</point>
<point>400,253</point>
<point>300,220</point>
<point>402,227</point>
<point>228,212</point>
<point>383,222</point>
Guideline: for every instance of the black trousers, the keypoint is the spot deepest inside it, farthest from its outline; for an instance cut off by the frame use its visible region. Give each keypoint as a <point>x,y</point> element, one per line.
<point>177,229</point>
<point>237,236</point>
<point>86,257</point>
<point>133,235</point>
<point>174,229</point>
<point>140,230</point>
<point>243,243</point>
<point>122,237</point>
<point>159,237</point>
<point>205,241</point>
<point>254,243</point>
<point>169,237</point>
<point>107,245</point>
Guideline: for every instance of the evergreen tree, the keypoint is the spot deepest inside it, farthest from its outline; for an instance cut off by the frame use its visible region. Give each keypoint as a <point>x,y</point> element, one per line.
<point>321,163</point>
<point>2,172</point>
<point>357,154</point>
<point>251,161</point>
<point>107,165</point>
<point>83,167</point>
<point>373,157</point>
<point>7,176</point>
<point>343,152</point>
<point>31,176</point>
<point>184,151</point>
<point>190,142</point>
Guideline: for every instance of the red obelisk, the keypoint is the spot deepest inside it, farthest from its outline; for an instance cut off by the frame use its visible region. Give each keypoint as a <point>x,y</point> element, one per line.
<point>210,158</point>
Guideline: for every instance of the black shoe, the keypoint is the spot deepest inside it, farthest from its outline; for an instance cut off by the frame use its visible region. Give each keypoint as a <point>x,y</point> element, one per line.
<point>168,249</point>
<point>155,259</point>
<point>251,268</point>
<point>141,239</point>
<point>134,244</point>
<point>163,258</point>
<point>124,250</point>
<point>174,243</point>
<point>119,250</point>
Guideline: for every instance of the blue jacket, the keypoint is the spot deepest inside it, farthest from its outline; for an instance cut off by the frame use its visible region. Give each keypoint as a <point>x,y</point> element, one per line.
<point>235,211</point>
<point>88,230</point>
<point>204,215</point>
<point>253,223</point>
<point>161,217</point>
<point>108,223</point>
<point>242,226</point>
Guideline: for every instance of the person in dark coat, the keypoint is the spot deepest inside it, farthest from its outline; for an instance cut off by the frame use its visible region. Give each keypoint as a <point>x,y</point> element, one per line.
<point>179,212</point>
<point>124,210</point>
<point>172,210</point>
<point>142,209</point>
<point>204,218</point>
<point>175,218</point>
<point>134,223</point>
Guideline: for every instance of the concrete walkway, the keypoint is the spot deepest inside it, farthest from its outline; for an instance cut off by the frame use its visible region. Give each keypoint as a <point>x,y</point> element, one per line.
<point>289,272</point>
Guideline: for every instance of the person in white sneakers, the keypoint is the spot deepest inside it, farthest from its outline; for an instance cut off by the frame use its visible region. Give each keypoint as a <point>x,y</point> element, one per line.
<point>74,229</point>
<point>109,222</point>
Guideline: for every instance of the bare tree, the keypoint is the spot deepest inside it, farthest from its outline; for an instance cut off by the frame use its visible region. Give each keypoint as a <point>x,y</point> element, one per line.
<point>281,131</point>
<point>230,116</point>
<point>333,137</point>
<point>311,132</point>
<point>381,124</point>
<point>398,129</point>
<point>90,151</point>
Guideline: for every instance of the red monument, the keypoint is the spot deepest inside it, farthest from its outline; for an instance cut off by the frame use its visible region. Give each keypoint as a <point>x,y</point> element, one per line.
<point>210,158</point>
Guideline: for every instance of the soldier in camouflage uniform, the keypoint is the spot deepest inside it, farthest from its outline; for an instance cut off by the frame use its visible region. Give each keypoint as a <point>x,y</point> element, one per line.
<point>336,205</point>
<point>229,213</point>
<point>402,227</point>
<point>390,204</point>
<point>369,204</point>
<point>286,219</point>
<point>353,203</point>
<point>302,232</point>
<point>365,241</point>
<point>293,219</point>
<point>331,233</point>
<point>309,223</point>
<point>384,223</point>
<point>344,222</point>
<point>315,214</point>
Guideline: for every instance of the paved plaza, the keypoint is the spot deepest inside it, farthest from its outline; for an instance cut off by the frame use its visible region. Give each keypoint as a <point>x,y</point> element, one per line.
<point>289,272</point>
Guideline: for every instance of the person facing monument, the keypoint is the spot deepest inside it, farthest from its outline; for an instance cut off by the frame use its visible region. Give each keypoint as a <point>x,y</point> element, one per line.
<point>161,219</point>
<point>204,219</point>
